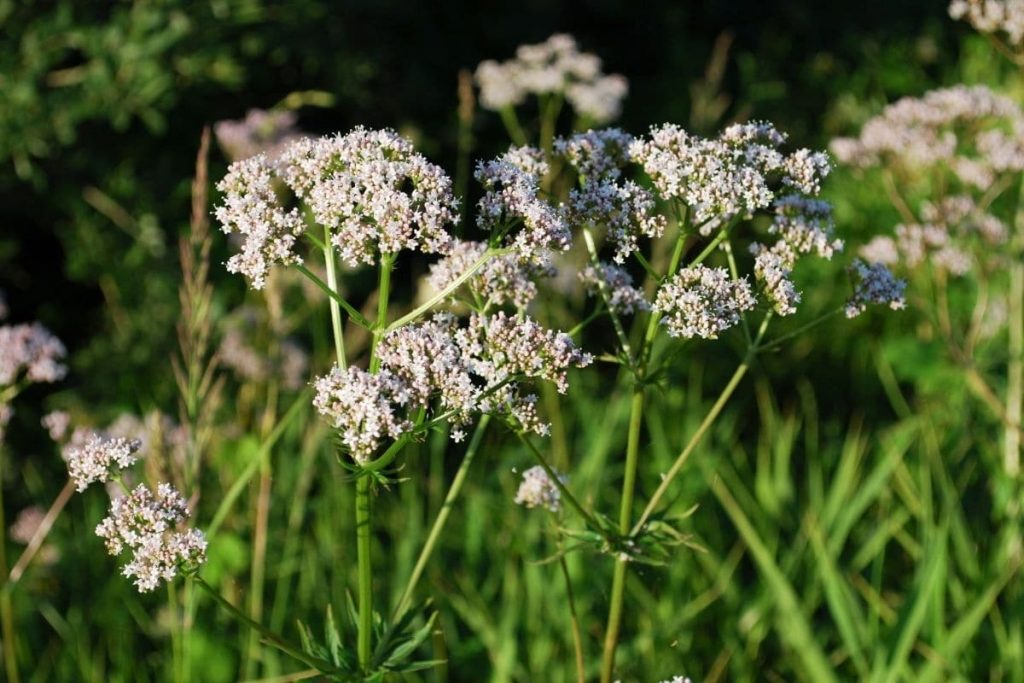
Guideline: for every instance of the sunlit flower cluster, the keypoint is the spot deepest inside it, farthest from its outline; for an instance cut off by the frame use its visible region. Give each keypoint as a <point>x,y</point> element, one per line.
<point>500,280</point>
<point>623,297</point>
<point>513,196</point>
<point>472,369</point>
<point>732,175</point>
<point>596,154</point>
<point>555,66</point>
<point>702,302</point>
<point>992,16</point>
<point>974,131</point>
<point>146,524</point>
<point>100,458</point>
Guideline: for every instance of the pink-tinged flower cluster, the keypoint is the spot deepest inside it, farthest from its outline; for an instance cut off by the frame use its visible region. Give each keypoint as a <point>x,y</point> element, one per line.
<point>500,280</point>
<point>992,16</point>
<point>702,302</point>
<point>512,196</point>
<point>260,132</point>
<point>147,525</point>
<point>623,297</point>
<point>596,154</point>
<point>466,370</point>
<point>365,408</point>
<point>874,284</point>
<point>31,352</point>
<point>772,268</point>
<point>555,66</point>
<point>252,209</point>
<point>100,458</point>
<point>375,191</point>
<point>734,174</point>
<point>538,490</point>
<point>972,130</point>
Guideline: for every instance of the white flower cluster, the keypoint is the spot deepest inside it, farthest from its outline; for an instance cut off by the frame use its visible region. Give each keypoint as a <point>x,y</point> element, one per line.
<point>678,679</point>
<point>538,490</point>
<point>100,458</point>
<point>731,175</point>
<point>512,195</point>
<point>370,186</point>
<point>30,349</point>
<point>502,279</point>
<point>251,209</point>
<point>992,16</point>
<point>976,132</point>
<point>596,154</point>
<point>623,297</point>
<point>260,132</point>
<point>555,66</point>
<point>625,208</point>
<point>772,268</point>
<point>874,284</point>
<point>57,424</point>
<point>147,525</point>
<point>375,190</point>
<point>702,302</point>
<point>805,225</point>
<point>469,370</point>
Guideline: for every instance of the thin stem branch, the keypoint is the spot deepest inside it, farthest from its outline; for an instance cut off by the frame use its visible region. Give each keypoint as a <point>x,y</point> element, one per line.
<point>335,299</point>
<point>356,316</point>
<point>42,531</point>
<point>563,489</point>
<point>577,633</point>
<point>447,291</point>
<point>442,517</point>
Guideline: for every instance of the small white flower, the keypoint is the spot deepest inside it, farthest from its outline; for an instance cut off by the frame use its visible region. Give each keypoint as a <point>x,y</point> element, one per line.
<point>538,490</point>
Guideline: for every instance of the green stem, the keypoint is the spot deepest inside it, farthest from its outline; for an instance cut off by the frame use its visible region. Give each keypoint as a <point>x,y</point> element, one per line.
<point>709,419</point>
<point>602,288</point>
<point>564,490</point>
<point>332,283</point>
<point>442,517</point>
<point>636,414</point>
<point>798,331</point>
<point>277,641</point>
<point>364,647</point>
<point>577,634</point>
<point>177,667</point>
<point>511,121</point>
<point>447,291</point>
<point>356,316</point>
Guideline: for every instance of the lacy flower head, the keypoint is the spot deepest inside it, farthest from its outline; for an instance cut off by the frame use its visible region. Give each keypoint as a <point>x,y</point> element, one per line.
<point>975,132</point>
<point>992,16</point>
<point>512,199</point>
<point>504,279</point>
<point>626,209</point>
<point>147,525</point>
<point>370,187</point>
<point>702,302</point>
<point>100,458</point>
<point>464,371</point>
<point>735,174</point>
<point>537,490</point>
<point>616,285</point>
<point>31,352</point>
<point>874,284</point>
<point>555,66</point>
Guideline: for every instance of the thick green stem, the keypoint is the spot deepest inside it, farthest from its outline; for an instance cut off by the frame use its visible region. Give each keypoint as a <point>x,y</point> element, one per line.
<point>512,127</point>
<point>442,517</point>
<point>364,646</point>
<point>636,415</point>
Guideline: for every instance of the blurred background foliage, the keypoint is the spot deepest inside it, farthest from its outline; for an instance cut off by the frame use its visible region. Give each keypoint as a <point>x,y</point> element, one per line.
<point>102,108</point>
